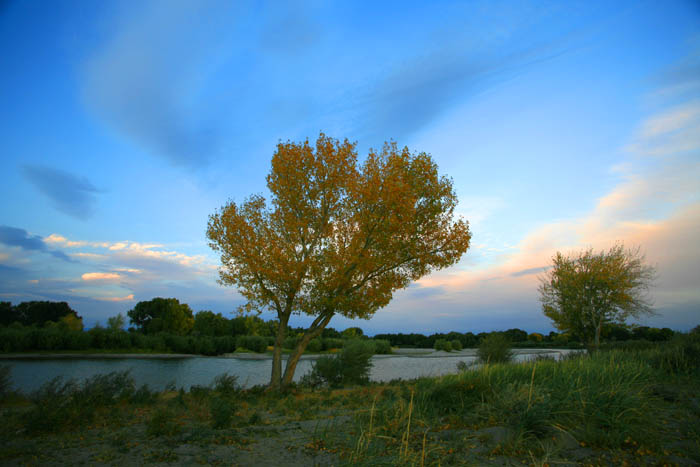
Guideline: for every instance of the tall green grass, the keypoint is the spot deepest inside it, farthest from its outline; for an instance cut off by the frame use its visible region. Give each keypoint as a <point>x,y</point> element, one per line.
<point>605,400</point>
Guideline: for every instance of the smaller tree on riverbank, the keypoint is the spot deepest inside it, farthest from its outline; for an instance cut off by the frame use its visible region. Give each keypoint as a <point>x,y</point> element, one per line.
<point>584,292</point>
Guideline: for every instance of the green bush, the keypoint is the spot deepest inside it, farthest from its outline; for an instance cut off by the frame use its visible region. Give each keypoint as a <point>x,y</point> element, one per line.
<point>78,340</point>
<point>456,344</point>
<point>224,344</point>
<point>351,366</point>
<point>332,343</point>
<point>356,359</point>
<point>381,346</point>
<point>255,343</point>
<point>162,423</point>
<point>326,371</point>
<point>315,345</point>
<point>204,345</point>
<point>290,342</point>
<point>443,344</point>
<point>495,348</point>
<point>221,411</point>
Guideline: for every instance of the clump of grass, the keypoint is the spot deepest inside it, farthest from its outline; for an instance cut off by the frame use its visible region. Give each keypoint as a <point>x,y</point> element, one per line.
<point>452,394</point>
<point>221,411</point>
<point>495,348</point>
<point>200,393</point>
<point>5,382</point>
<point>226,384</point>
<point>143,396</point>
<point>60,404</point>
<point>162,423</point>
<point>680,356</point>
<point>54,406</point>
<point>102,390</point>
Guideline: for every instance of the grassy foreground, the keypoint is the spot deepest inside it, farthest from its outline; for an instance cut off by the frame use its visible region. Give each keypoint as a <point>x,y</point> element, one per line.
<point>634,407</point>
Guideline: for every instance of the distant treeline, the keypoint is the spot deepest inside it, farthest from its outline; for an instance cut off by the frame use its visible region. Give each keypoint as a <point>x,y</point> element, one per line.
<point>520,338</point>
<point>161,325</point>
<point>165,325</point>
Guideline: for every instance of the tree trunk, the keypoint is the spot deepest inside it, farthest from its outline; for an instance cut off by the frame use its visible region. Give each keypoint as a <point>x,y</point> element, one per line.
<point>597,335</point>
<point>276,376</point>
<point>313,331</point>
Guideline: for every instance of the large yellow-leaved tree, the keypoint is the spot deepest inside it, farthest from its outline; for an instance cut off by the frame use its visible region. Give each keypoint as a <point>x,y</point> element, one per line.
<point>338,238</point>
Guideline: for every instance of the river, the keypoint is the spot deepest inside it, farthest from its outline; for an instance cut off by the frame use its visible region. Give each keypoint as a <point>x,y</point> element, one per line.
<point>28,374</point>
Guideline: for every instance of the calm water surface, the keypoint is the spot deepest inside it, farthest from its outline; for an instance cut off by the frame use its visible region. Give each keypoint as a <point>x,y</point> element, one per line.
<point>29,375</point>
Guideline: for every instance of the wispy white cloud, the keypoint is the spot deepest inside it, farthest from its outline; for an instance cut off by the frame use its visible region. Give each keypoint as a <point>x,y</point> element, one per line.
<point>674,131</point>
<point>55,239</point>
<point>100,276</point>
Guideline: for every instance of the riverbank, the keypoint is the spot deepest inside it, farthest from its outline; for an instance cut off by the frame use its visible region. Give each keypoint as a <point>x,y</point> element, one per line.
<point>79,355</point>
<point>396,352</point>
<point>611,408</point>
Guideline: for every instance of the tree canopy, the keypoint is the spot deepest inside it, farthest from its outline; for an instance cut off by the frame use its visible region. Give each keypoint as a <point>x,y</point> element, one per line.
<point>584,292</point>
<point>162,314</point>
<point>339,237</point>
<point>40,313</point>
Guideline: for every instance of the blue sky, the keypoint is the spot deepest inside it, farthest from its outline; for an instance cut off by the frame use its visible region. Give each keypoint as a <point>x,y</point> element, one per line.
<point>564,125</point>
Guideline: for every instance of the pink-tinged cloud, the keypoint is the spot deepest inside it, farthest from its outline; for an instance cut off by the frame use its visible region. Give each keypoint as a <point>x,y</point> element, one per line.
<point>656,209</point>
<point>100,276</point>
<point>128,298</point>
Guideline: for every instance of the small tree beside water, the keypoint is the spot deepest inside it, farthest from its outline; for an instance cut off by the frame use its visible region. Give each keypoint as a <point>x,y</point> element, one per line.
<point>495,348</point>
<point>585,292</point>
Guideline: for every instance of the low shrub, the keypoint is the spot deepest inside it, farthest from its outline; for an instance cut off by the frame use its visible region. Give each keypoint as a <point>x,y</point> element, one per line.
<point>62,404</point>
<point>143,396</point>
<point>102,390</point>
<point>290,342</point>
<point>332,343</point>
<point>221,411</point>
<point>162,423</point>
<point>381,346</point>
<point>200,392</point>
<point>54,407</point>
<point>443,344</point>
<point>453,394</point>
<point>314,345</point>
<point>495,348</point>
<point>255,343</point>
<point>456,344</point>
<point>351,366</point>
<point>226,384</point>
<point>326,371</point>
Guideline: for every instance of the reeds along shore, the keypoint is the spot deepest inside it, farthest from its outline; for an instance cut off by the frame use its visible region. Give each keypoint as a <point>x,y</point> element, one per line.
<point>627,404</point>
